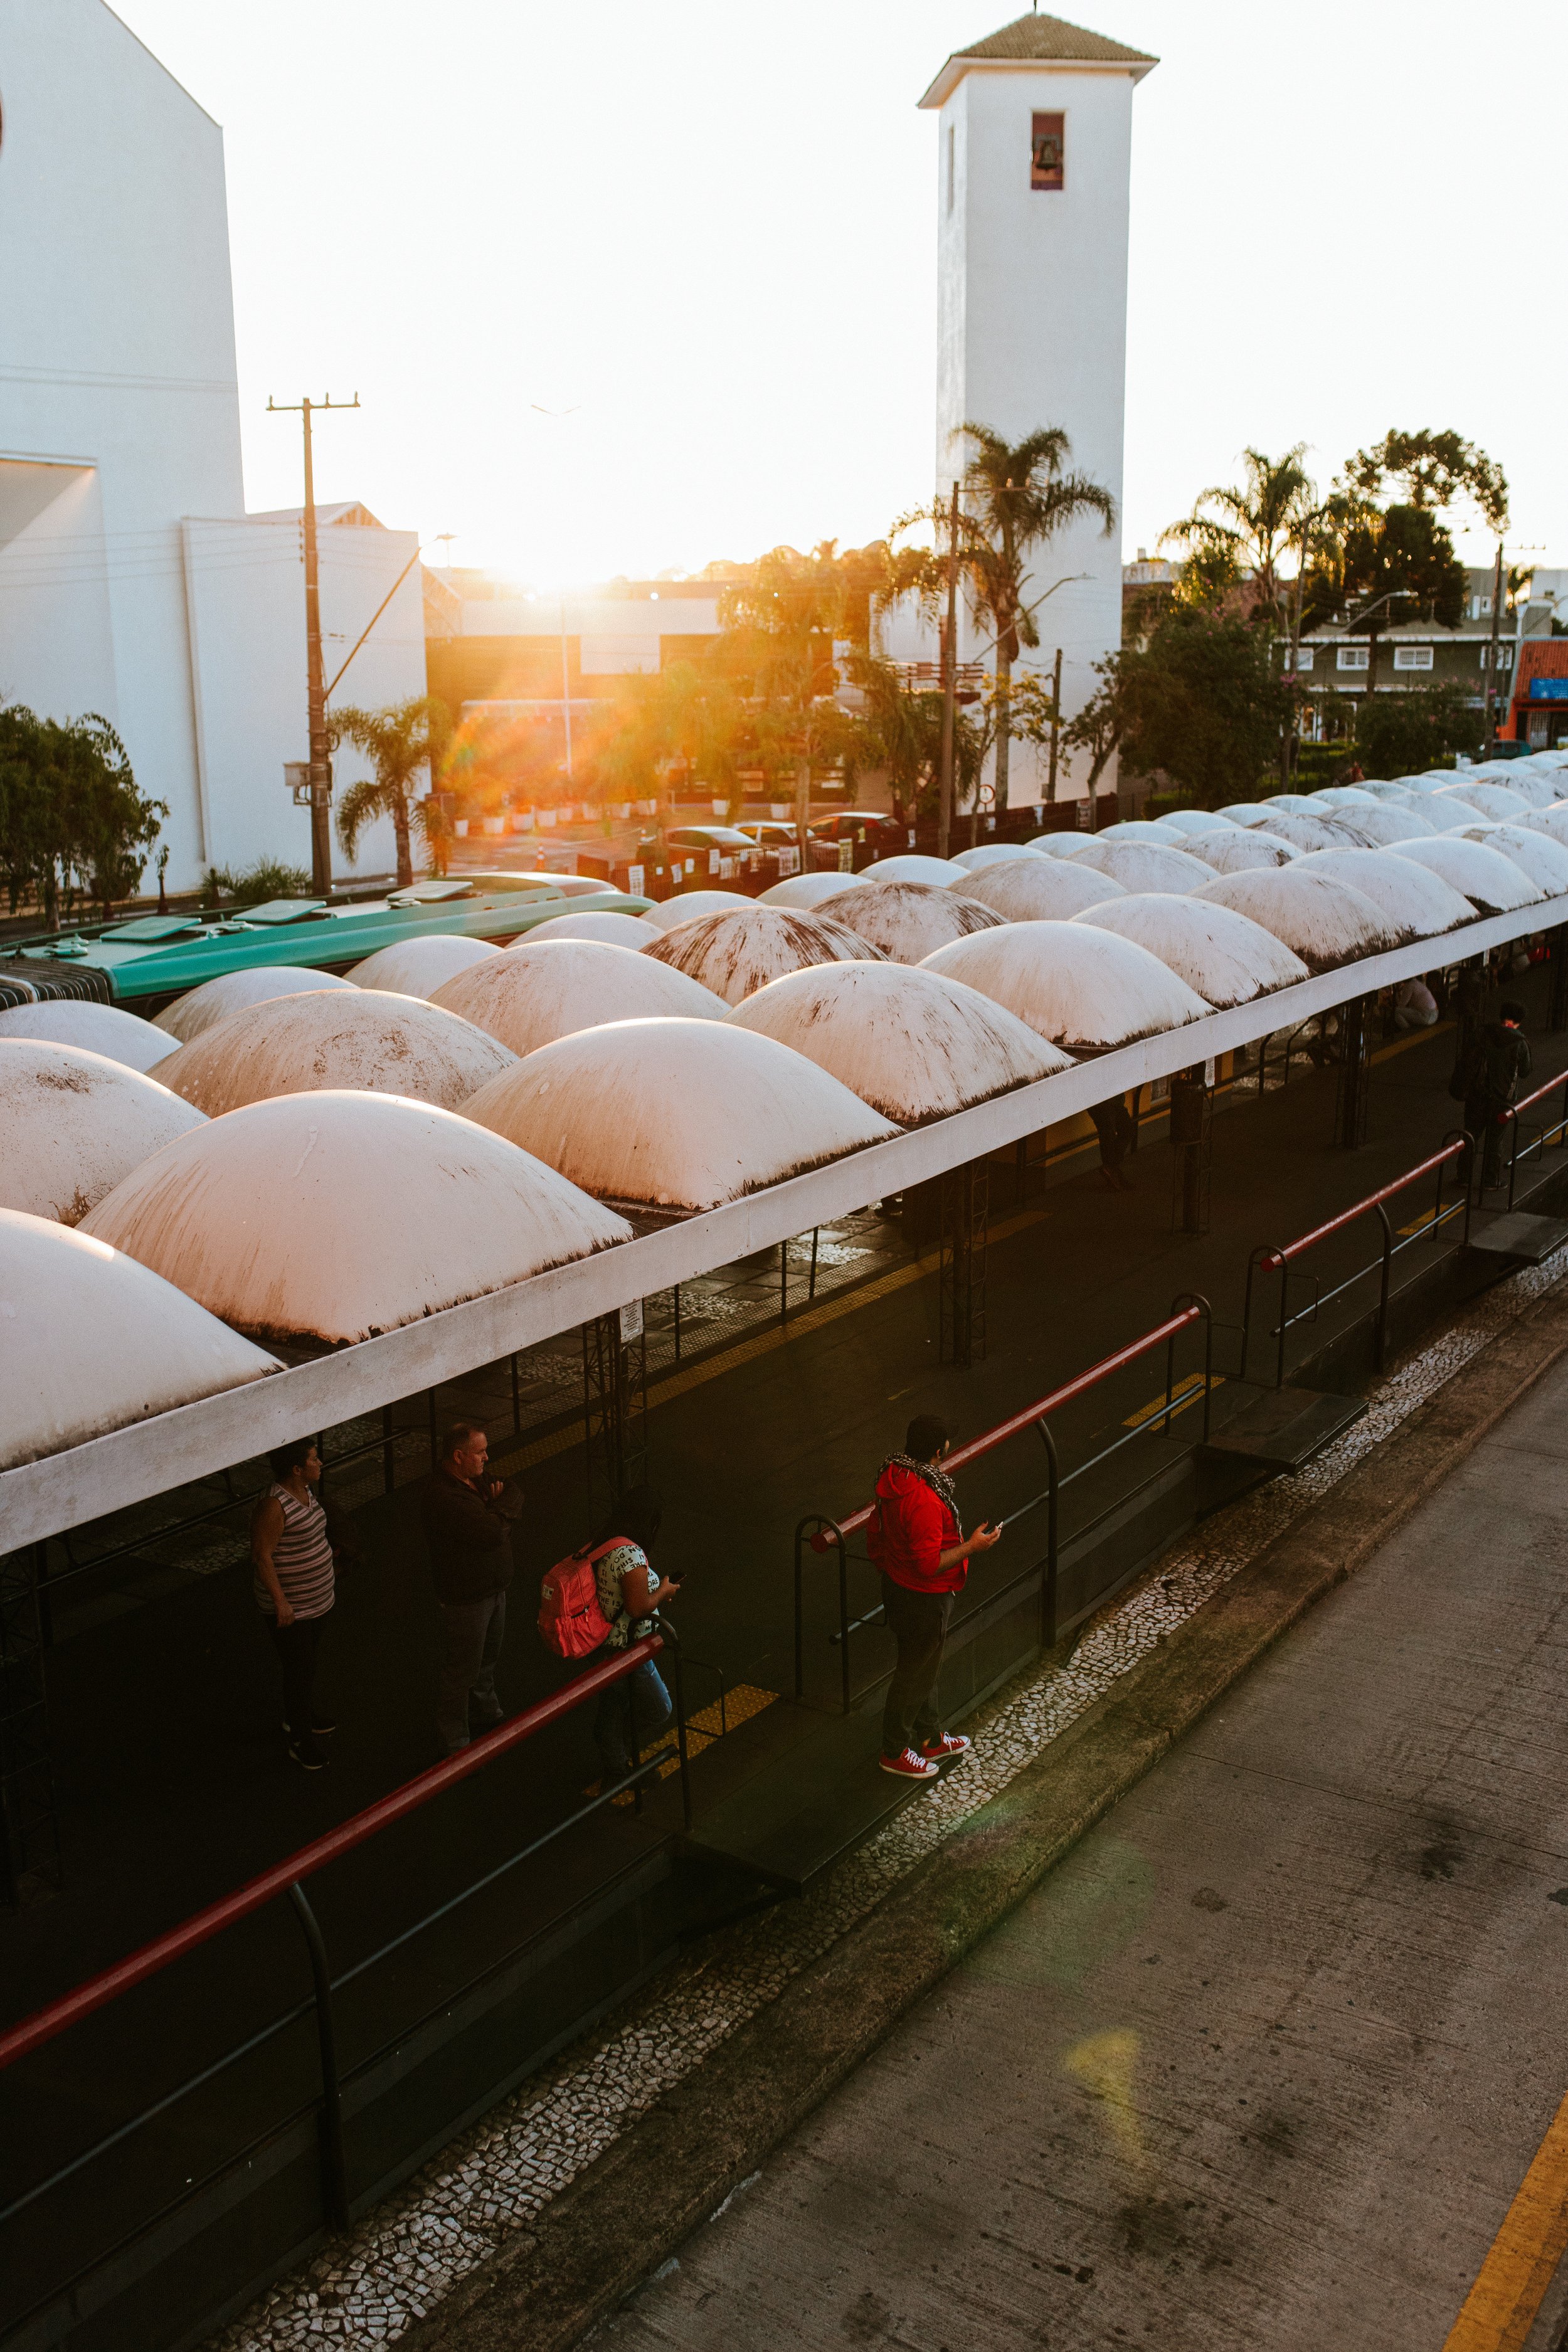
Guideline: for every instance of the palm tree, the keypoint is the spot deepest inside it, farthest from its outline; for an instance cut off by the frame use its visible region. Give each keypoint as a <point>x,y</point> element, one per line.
<point>1249,527</point>
<point>398,742</point>
<point>1016,498</point>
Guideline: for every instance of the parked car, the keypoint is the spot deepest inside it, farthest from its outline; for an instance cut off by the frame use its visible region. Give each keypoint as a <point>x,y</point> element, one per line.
<point>883,833</point>
<point>768,832</point>
<point>730,840</point>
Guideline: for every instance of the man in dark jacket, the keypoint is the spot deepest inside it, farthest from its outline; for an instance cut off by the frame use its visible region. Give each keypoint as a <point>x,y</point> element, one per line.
<point>467,1525</point>
<point>1496,1066</point>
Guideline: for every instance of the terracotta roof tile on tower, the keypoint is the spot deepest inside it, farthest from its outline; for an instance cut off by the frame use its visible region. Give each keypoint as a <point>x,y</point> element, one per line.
<point>1054,37</point>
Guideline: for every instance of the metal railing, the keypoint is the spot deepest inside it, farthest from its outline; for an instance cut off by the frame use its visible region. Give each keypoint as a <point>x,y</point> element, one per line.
<point>820,1534</point>
<point>286,1879</point>
<point>1543,1136</point>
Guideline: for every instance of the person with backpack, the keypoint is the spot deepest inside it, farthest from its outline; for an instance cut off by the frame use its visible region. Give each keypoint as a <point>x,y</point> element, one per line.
<point>468,1520</point>
<point>1488,1076</point>
<point>600,1600</point>
<point>916,1542</point>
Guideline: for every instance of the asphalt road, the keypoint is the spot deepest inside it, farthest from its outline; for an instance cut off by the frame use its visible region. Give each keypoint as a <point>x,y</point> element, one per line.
<point>1272,2062</point>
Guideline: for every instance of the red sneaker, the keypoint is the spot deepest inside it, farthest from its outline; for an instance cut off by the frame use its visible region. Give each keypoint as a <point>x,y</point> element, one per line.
<point>948,1748</point>
<point>909,1766</point>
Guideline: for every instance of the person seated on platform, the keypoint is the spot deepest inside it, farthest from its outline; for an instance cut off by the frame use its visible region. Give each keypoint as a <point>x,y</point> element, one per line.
<point>468,1521</point>
<point>295,1585</point>
<point>1415,1006</point>
<point>916,1543</point>
<point>635,1710</point>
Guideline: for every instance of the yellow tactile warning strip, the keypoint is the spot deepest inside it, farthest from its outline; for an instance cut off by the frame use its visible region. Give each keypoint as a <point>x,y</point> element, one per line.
<point>1185,1393</point>
<point>709,1723</point>
<point>1511,2286</point>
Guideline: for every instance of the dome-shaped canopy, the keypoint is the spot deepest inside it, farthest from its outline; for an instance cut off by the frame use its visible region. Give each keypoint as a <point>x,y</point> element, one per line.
<point>321,1219</point>
<point>94,1342</point>
<point>689,906</point>
<point>1416,901</point>
<point>1134,828</point>
<point>1245,849</point>
<point>1444,814</point>
<point>1247,812</point>
<point>1493,883</point>
<point>1325,922</point>
<point>1223,957</point>
<point>675,1115</point>
<point>419,967</point>
<point>1192,821</point>
<point>1386,826</point>
<point>1157,865</point>
<point>1541,859</point>
<point>1486,800</point>
<point>1318,832</point>
<point>1535,786</point>
<point>1333,797</point>
<point>372,1041</point>
<point>1292,804</point>
<point>233,991</point>
<point>990,853</point>
<point>73,1124</point>
<point>913,866</point>
<point>1552,822</point>
<point>92,1028</point>
<point>735,953</point>
<point>539,991</point>
<point>914,1045</point>
<point>1085,990</point>
<point>907,921</point>
<point>1060,845</point>
<point>809,889</point>
<point>1042,890</point>
<point>599,923</point>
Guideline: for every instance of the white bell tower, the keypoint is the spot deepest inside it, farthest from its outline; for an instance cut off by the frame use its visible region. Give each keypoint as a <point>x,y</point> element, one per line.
<point>1034,157</point>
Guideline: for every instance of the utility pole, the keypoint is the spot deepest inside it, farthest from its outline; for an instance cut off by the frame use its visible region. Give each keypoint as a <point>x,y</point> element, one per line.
<point>1056,733</point>
<point>949,685</point>
<point>315,675</point>
<point>1491,656</point>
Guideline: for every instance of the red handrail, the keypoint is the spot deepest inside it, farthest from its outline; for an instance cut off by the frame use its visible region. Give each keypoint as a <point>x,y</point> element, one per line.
<point>1281,1256</point>
<point>71,2006</point>
<point>1035,1412</point>
<point>1549,1088</point>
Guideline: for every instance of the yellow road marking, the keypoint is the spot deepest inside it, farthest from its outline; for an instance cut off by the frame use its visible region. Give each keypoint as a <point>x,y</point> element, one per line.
<point>1511,2286</point>
<point>1185,1393</point>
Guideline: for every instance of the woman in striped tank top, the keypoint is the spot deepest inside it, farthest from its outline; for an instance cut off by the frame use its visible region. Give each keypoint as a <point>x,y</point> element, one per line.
<point>295,1586</point>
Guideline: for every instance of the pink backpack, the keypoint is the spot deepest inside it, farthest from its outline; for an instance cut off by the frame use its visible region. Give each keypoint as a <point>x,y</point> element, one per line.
<point>570,1622</point>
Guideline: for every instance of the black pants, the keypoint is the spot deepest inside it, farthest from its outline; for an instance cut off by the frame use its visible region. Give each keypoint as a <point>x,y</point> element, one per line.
<point>1113,1125</point>
<point>917,1623</point>
<point>296,1645</point>
<point>1484,1116</point>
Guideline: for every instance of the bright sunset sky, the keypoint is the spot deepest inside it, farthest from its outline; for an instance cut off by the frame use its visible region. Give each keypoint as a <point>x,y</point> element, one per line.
<point>706,229</point>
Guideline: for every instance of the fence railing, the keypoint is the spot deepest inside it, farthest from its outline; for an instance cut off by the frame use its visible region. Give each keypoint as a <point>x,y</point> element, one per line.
<point>820,1534</point>
<point>286,1879</point>
<point>1555,1132</point>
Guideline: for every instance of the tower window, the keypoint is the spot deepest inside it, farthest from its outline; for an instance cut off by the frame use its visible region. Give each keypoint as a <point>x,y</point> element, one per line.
<point>1046,151</point>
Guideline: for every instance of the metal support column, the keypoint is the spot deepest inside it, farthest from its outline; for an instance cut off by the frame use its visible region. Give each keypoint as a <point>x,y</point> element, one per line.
<point>960,1275</point>
<point>1355,1074</point>
<point>29,1831</point>
<point>614,1403</point>
<point>1557,1009</point>
<point>1191,1150</point>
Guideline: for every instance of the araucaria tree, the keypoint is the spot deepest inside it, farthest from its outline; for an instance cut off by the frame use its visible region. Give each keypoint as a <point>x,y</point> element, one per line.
<point>401,742</point>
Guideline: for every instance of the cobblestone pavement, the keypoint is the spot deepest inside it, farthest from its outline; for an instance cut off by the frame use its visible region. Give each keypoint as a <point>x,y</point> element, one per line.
<point>404,2257</point>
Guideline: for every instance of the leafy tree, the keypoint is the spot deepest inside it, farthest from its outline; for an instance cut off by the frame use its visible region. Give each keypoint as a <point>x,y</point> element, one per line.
<point>252,886</point>
<point>1402,734</point>
<point>1433,470</point>
<point>72,820</point>
<point>1097,726</point>
<point>1245,530</point>
<point>780,625</point>
<point>401,741</point>
<point>1201,699</point>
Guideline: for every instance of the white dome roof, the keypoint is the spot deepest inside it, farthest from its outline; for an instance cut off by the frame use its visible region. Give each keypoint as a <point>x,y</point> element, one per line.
<point>93,1028</point>
<point>537,992</point>
<point>1194,820</point>
<point>1488,800</point>
<point>1043,889</point>
<point>214,1000</point>
<point>325,1218</point>
<point>1246,849</point>
<point>1222,956</point>
<point>371,1041</point>
<point>679,1115</point>
<point>599,923</point>
<point>1085,990</point>
<point>1134,828</point>
<point>906,920</point>
<point>809,889</point>
<point>1414,899</point>
<point>914,1045</point>
<point>1553,821</point>
<point>912,866</point>
<point>419,967</point>
<point>1061,843</point>
<point>1157,865</point>
<point>1245,813</point>
<point>1291,804</point>
<point>1318,832</point>
<point>1333,797</point>
<point>990,853</point>
<point>1541,857</point>
<point>735,953</point>
<point>1537,786</point>
<point>93,1342</point>
<point>1493,883</point>
<point>73,1124</point>
<point>1326,923</point>
<point>1386,826</point>
<point>692,904</point>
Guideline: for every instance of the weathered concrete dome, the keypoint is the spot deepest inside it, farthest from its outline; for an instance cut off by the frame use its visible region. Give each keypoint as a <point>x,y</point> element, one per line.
<point>599,923</point>
<point>1157,865</point>
<point>990,853</point>
<point>1085,990</point>
<point>1553,821</point>
<point>72,1125</point>
<point>1042,890</point>
<point>1134,828</point>
<point>1325,922</point>
<point>1059,845</point>
<point>913,866</point>
<point>1245,849</point>
<point>94,1341</point>
<point>675,1115</point>
<point>1223,957</point>
<point>321,1219</point>
<point>1444,814</point>
<point>1495,801</point>
<point>233,991</point>
<point>1318,832</point>
<point>1333,797</point>
<point>907,921</point>
<point>736,953</point>
<point>1384,827</point>
<point>372,1042</point>
<point>691,905</point>
<point>1541,859</point>
<point>1291,804</point>
<point>914,1045</point>
<point>809,889</point>
<point>539,991</point>
<point>93,1029</point>
<point>1192,821</point>
<point>1537,786</point>
<point>1245,813</point>
<point>1493,883</point>
<point>419,967</point>
<point>1414,899</point>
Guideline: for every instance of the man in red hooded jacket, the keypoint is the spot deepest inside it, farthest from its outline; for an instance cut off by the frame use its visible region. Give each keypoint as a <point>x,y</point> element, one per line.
<point>916,1542</point>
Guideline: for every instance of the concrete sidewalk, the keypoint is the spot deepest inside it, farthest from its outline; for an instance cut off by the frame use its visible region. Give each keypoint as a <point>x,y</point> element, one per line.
<point>1263,2062</point>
